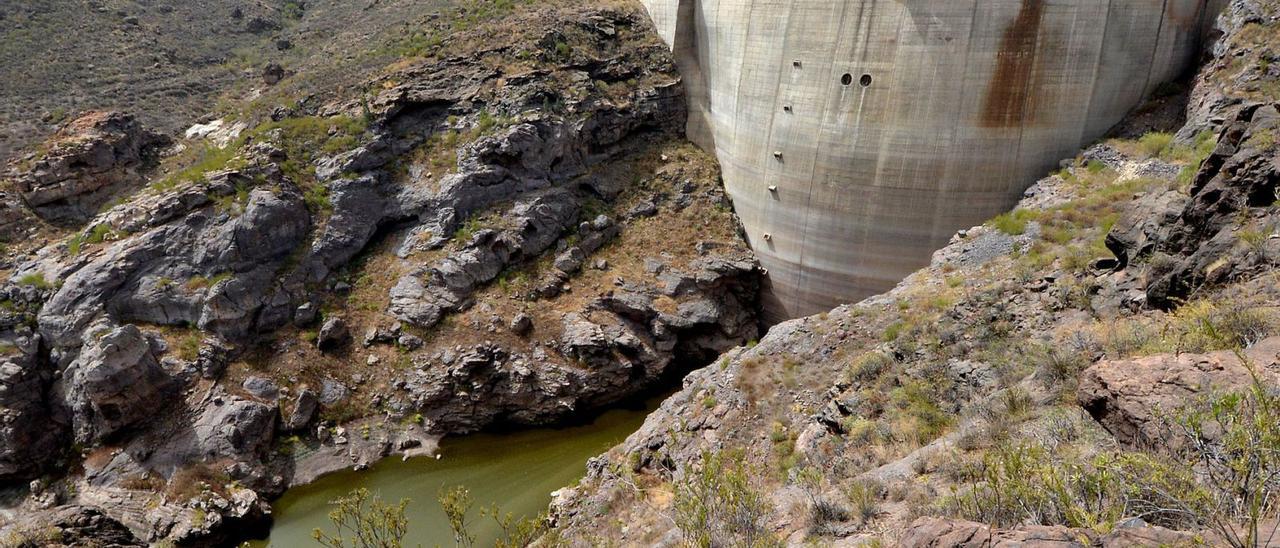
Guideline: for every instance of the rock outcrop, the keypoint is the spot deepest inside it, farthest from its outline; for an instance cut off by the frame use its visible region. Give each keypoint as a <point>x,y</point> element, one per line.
<point>73,526</point>
<point>1194,240</point>
<point>944,533</point>
<point>618,344</point>
<point>85,164</point>
<point>425,296</point>
<point>1136,399</point>
<point>116,383</point>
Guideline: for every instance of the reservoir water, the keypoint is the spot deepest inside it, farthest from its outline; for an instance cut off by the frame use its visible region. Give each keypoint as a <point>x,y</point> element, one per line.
<point>518,471</point>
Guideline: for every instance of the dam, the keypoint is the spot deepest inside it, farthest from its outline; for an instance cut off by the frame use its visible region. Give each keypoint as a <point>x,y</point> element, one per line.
<point>857,136</point>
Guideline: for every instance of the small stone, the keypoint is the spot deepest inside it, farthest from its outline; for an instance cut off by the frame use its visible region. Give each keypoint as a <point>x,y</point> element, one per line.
<point>261,388</point>
<point>410,342</point>
<point>333,334</point>
<point>371,360</point>
<point>522,324</point>
<point>304,315</point>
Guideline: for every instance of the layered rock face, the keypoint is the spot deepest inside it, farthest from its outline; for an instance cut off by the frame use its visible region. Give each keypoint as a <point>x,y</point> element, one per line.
<point>88,160</point>
<point>857,136</point>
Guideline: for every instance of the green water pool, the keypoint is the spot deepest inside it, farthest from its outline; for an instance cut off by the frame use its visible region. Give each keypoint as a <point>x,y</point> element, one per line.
<point>518,471</point>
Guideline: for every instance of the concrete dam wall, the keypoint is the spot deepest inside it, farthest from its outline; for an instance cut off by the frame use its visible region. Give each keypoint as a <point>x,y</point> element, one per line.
<point>856,136</point>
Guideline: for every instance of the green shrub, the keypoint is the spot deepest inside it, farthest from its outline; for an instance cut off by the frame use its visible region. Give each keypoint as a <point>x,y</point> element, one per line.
<point>361,520</point>
<point>1154,144</point>
<point>188,346</point>
<point>1014,223</point>
<point>869,366</point>
<point>1221,471</point>
<point>317,198</point>
<point>1233,440</point>
<point>293,9</point>
<point>1024,484</point>
<point>919,418</point>
<point>1263,139</point>
<point>864,497</point>
<point>467,230</point>
<point>894,330</point>
<point>97,234</point>
<point>718,504</point>
<point>205,160</point>
<point>36,280</point>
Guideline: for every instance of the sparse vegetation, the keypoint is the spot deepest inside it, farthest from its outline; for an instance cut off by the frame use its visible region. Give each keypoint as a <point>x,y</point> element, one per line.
<point>1014,223</point>
<point>1154,144</point>
<point>362,520</point>
<point>456,503</point>
<point>36,280</point>
<point>97,234</point>
<point>719,503</point>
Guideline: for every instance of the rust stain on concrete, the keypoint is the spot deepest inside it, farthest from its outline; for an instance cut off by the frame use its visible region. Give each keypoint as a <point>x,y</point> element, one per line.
<point>1011,97</point>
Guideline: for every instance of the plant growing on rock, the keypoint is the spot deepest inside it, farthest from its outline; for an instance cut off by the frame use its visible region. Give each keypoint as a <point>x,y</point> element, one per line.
<point>1233,441</point>
<point>364,521</point>
<point>718,504</point>
<point>1024,483</point>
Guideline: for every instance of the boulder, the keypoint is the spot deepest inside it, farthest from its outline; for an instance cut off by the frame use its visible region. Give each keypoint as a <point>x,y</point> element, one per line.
<point>117,382</point>
<point>931,532</point>
<point>263,389</point>
<point>305,314</point>
<point>1128,397</point>
<point>305,407</point>
<point>522,324</point>
<point>272,74</point>
<point>234,428</point>
<point>333,335</point>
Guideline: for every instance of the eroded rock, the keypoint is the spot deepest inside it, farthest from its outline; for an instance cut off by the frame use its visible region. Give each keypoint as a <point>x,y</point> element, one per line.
<point>116,383</point>
<point>1133,398</point>
<point>85,163</point>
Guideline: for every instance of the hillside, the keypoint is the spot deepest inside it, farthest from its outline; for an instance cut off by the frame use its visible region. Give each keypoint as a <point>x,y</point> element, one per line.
<point>173,63</point>
<point>1077,372</point>
<point>402,220</point>
<point>502,226</point>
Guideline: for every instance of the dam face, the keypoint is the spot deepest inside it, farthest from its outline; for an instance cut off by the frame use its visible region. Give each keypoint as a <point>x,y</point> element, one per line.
<point>857,136</point>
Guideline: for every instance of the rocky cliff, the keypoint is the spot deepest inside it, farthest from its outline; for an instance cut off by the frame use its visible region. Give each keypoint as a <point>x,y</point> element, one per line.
<point>1082,371</point>
<point>498,220</point>
<point>504,226</point>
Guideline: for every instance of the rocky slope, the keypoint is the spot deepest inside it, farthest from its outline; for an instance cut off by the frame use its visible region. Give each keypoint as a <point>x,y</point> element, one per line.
<point>495,219</point>
<point>1026,388</point>
<point>172,63</point>
<point>502,227</point>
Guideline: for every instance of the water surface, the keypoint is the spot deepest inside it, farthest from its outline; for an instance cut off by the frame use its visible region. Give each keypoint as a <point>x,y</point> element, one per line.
<point>518,471</point>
